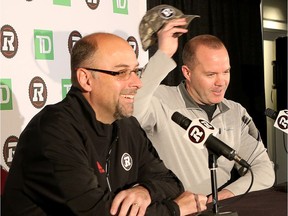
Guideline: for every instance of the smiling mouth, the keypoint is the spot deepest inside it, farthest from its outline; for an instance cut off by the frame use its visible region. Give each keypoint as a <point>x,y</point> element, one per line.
<point>128,96</point>
<point>217,91</point>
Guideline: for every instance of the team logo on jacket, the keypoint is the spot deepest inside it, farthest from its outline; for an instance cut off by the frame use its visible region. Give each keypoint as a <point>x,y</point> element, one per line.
<point>126,161</point>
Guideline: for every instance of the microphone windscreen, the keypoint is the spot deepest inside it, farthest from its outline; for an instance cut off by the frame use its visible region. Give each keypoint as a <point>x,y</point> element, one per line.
<point>271,113</point>
<point>181,120</point>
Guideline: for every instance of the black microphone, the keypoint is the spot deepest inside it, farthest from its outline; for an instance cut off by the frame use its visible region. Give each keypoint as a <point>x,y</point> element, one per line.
<point>271,113</point>
<point>201,134</point>
<point>281,119</point>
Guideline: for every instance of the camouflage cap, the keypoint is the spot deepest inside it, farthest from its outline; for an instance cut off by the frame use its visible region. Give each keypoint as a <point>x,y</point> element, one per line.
<point>155,18</point>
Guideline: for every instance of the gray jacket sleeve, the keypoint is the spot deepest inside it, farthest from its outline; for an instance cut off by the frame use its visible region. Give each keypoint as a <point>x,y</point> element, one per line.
<point>252,149</point>
<point>155,71</point>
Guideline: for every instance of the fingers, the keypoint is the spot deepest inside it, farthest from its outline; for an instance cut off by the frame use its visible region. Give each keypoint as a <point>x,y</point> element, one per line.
<point>198,207</point>
<point>131,209</point>
<point>190,203</point>
<point>224,194</point>
<point>132,202</point>
<point>209,200</point>
<point>168,36</point>
<point>134,209</point>
<point>174,26</point>
<point>200,202</point>
<point>121,204</point>
<point>115,205</point>
<point>181,22</point>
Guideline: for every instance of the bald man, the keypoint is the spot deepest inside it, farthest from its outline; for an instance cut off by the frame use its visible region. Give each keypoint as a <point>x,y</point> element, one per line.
<point>86,155</point>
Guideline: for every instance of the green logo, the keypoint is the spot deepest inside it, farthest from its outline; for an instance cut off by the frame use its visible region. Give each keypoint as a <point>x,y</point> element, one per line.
<point>43,42</point>
<point>120,6</point>
<point>62,2</point>
<point>5,94</point>
<point>66,85</point>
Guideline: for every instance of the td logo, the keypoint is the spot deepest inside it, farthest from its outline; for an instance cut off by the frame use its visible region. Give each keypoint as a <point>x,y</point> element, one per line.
<point>5,94</point>
<point>120,6</point>
<point>62,2</point>
<point>66,85</point>
<point>43,42</point>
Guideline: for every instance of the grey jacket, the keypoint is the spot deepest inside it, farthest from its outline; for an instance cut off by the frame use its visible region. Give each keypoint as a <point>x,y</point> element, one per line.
<point>155,104</point>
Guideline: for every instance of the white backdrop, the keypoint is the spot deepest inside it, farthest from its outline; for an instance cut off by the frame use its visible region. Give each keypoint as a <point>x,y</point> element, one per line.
<point>35,39</point>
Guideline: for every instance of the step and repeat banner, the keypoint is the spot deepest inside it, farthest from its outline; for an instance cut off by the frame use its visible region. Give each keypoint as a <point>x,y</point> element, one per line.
<point>36,38</point>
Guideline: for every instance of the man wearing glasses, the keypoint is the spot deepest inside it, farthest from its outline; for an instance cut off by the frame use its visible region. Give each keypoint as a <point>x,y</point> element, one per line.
<point>86,155</point>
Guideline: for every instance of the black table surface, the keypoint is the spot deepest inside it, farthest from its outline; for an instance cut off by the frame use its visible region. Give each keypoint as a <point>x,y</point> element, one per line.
<point>269,202</point>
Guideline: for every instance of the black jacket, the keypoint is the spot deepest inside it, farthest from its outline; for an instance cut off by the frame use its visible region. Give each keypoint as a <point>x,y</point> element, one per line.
<point>60,164</point>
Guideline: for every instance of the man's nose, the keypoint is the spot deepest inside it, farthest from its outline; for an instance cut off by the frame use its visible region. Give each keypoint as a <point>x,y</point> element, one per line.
<point>135,81</point>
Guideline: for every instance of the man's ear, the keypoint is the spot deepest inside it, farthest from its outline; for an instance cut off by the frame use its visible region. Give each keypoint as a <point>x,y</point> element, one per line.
<point>84,79</point>
<point>186,72</point>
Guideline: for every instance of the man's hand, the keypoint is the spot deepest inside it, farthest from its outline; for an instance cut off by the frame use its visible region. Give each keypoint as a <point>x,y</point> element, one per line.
<point>133,201</point>
<point>190,203</point>
<point>168,35</point>
<point>223,194</point>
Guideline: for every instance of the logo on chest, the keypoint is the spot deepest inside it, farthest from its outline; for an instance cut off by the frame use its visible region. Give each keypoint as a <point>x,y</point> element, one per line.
<point>126,161</point>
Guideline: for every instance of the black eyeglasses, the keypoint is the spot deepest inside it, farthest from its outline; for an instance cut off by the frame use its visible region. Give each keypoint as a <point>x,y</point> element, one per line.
<point>122,75</point>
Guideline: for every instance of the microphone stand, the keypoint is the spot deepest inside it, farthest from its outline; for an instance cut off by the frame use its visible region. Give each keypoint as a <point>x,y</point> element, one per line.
<point>212,161</point>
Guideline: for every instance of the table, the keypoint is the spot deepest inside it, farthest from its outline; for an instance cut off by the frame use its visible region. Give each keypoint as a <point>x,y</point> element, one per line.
<point>269,202</point>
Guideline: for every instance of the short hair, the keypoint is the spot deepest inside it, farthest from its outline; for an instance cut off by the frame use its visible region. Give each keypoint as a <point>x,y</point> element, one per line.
<point>189,52</point>
<point>81,54</point>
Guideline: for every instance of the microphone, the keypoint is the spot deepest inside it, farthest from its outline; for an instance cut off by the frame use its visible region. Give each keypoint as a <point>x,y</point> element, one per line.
<point>271,113</point>
<point>281,119</point>
<point>200,133</point>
